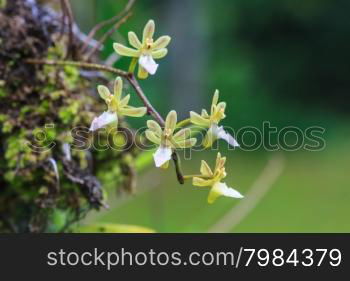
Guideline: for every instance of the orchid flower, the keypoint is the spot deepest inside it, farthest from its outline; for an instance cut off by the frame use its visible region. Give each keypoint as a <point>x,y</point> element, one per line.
<point>167,139</point>
<point>211,122</point>
<point>146,51</point>
<point>116,106</point>
<point>213,179</point>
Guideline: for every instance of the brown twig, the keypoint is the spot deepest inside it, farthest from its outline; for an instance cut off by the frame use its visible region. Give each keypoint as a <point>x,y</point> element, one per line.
<point>102,24</point>
<point>83,65</point>
<point>67,9</point>
<point>130,77</point>
<point>63,19</point>
<point>150,109</point>
<point>107,35</point>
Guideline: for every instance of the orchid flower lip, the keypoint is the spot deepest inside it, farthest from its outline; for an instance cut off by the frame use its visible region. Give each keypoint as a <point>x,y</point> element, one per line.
<point>148,63</point>
<point>103,120</point>
<point>162,155</point>
<point>167,139</point>
<point>221,189</point>
<point>230,192</point>
<point>220,133</point>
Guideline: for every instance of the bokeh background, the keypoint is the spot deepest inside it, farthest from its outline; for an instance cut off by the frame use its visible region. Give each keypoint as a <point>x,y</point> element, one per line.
<point>282,61</point>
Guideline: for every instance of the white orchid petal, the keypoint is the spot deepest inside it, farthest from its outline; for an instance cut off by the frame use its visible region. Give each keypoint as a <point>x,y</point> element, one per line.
<point>103,120</point>
<point>222,134</point>
<point>148,63</point>
<point>162,155</point>
<point>229,192</point>
<point>221,189</point>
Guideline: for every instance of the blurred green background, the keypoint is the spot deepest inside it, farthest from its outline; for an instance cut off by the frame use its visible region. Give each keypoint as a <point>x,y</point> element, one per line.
<point>282,61</point>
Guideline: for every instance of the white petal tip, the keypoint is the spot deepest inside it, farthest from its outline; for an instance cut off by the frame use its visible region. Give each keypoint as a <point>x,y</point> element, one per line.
<point>230,192</point>
<point>234,143</point>
<point>223,189</point>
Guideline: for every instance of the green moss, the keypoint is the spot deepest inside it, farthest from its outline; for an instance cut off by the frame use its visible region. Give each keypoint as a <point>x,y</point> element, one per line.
<point>2,3</point>
<point>44,107</point>
<point>25,109</point>
<point>3,117</point>
<point>7,126</point>
<point>55,95</point>
<point>44,136</point>
<point>71,76</point>
<point>17,148</point>
<point>65,137</point>
<point>69,112</point>
<point>56,51</point>
<point>3,93</point>
<point>59,97</point>
<point>57,220</point>
<point>110,176</point>
<point>9,176</point>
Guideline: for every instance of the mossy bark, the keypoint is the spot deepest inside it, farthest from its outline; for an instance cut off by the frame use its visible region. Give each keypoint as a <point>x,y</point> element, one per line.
<point>44,185</point>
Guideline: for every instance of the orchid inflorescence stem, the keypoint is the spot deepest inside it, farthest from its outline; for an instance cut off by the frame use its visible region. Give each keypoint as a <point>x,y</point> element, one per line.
<point>168,134</point>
